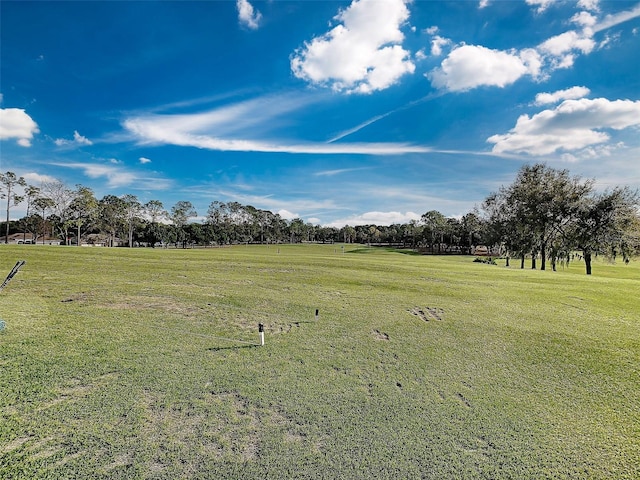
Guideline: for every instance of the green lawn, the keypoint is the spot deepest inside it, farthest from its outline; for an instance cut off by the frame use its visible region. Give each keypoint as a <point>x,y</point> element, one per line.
<point>119,363</point>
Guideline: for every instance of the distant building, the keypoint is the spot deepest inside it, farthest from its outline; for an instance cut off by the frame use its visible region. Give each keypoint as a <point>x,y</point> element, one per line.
<point>483,250</point>
<point>30,239</point>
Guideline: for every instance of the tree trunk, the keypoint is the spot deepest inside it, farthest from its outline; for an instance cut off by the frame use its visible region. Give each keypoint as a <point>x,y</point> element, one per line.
<point>522,261</point>
<point>587,261</point>
<point>543,256</point>
<point>507,264</point>
<point>6,238</point>
<point>533,260</point>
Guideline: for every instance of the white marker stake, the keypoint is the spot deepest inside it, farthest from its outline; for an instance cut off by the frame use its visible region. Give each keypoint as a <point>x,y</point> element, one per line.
<point>261,332</point>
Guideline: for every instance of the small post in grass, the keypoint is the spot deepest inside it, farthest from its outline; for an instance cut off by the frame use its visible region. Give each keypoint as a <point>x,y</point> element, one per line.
<point>317,314</point>
<point>261,332</point>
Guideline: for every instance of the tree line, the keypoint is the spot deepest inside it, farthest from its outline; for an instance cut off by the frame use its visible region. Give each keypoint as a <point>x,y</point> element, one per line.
<point>544,214</point>
<point>548,214</point>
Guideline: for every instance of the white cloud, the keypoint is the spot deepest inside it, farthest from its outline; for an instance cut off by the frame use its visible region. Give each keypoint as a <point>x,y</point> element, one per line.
<point>77,140</point>
<point>541,5</point>
<point>81,140</point>
<point>375,218</point>
<point>561,50</point>
<point>437,43</point>
<point>596,152</point>
<point>144,160</point>
<point>483,4</point>
<point>573,125</point>
<point>471,66</point>
<point>533,62</point>
<point>247,15</point>
<point>555,97</point>
<point>566,42</point>
<point>591,5</point>
<point>362,54</point>
<point>16,123</point>
<point>584,19</point>
<point>36,179</point>
<point>287,215</point>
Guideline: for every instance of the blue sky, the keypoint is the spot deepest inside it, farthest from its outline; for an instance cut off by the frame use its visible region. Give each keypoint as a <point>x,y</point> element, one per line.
<point>337,112</point>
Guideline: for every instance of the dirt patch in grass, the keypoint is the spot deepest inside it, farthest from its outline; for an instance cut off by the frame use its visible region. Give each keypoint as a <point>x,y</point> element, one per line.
<point>281,327</point>
<point>78,297</point>
<point>427,313</point>
<point>162,304</point>
<point>15,444</point>
<point>77,389</point>
<point>119,461</point>
<point>462,399</point>
<point>34,448</point>
<point>222,425</point>
<point>378,335</point>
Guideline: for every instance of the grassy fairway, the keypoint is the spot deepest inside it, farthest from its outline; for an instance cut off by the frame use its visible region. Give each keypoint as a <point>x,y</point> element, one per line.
<point>119,363</point>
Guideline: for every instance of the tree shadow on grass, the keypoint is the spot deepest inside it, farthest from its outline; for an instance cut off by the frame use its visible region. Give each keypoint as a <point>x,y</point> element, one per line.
<point>404,251</point>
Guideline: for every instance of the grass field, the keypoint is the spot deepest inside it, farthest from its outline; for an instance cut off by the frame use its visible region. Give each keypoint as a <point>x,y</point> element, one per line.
<point>119,363</point>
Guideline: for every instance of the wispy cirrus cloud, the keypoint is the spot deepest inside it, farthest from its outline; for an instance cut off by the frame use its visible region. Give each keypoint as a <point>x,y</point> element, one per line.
<point>275,203</point>
<point>149,132</point>
<point>375,218</point>
<point>248,126</point>
<point>339,171</point>
<point>612,20</point>
<point>116,176</point>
